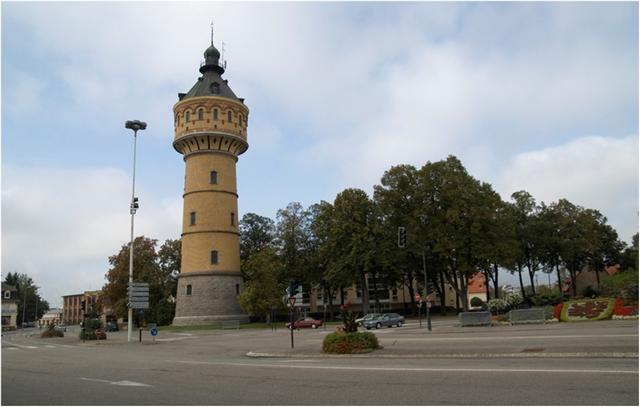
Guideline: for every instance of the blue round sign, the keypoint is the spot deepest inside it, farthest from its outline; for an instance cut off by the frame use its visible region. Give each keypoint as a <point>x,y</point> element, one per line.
<point>154,331</point>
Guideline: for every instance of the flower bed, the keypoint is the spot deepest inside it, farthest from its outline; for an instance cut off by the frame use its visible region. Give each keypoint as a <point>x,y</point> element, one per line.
<point>621,311</point>
<point>587,310</point>
<point>350,342</point>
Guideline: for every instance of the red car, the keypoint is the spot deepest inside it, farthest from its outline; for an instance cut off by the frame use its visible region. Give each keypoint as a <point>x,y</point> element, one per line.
<point>306,323</point>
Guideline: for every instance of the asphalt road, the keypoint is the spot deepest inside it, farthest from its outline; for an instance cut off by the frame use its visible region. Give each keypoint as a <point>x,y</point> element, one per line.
<point>519,365</point>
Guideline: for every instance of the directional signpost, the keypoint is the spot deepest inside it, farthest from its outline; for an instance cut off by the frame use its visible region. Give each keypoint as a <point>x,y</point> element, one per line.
<point>138,294</point>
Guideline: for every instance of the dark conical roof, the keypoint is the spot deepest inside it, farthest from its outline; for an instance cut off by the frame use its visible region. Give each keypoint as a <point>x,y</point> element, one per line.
<point>211,82</point>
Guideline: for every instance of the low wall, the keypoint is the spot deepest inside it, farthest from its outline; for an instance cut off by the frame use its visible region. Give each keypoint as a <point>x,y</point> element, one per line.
<point>475,318</point>
<point>526,316</point>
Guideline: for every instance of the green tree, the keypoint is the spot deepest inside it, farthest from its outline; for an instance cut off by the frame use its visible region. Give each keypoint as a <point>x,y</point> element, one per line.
<point>31,306</point>
<point>293,236</point>
<point>629,257</point>
<point>256,233</point>
<point>353,250</point>
<point>263,292</point>
<point>148,267</point>
<point>528,234</point>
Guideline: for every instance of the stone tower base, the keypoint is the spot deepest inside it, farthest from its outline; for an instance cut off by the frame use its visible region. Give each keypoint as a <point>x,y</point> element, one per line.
<point>213,298</point>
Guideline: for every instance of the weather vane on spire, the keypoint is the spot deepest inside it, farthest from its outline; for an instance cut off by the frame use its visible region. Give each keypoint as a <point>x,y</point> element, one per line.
<point>211,32</point>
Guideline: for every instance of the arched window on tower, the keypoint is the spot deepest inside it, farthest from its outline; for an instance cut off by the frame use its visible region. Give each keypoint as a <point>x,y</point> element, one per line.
<point>189,289</point>
<point>200,114</point>
<point>229,116</point>
<point>187,116</point>
<point>213,177</point>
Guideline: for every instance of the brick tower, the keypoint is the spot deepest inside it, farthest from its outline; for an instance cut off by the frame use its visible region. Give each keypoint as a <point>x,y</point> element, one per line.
<point>210,132</point>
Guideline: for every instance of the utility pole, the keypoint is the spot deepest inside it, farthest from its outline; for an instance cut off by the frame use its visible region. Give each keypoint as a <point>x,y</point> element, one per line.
<point>426,291</point>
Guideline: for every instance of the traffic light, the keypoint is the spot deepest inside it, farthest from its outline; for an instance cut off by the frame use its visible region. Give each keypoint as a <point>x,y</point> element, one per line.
<point>82,305</point>
<point>402,236</point>
<point>134,205</point>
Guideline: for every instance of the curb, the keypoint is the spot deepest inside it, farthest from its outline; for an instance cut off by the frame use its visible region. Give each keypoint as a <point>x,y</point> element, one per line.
<point>608,355</point>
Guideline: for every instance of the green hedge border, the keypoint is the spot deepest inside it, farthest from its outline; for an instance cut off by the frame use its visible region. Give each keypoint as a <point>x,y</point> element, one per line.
<point>606,314</point>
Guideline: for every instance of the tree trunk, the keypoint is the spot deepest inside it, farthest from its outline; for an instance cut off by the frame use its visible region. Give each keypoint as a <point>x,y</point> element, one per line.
<point>531,273</point>
<point>341,295</point>
<point>365,294</point>
<point>524,294</point>
<point>559,279</point>
<point>457,290</point>
<point>573,283</point>
<point>414,308</point>
<point>375,292</point>
<point>496,290</point>
<point>486,283</point>
<point>597,278</point>
<point>443,297</point>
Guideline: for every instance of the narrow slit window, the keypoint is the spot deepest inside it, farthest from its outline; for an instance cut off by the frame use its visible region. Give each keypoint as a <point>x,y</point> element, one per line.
<point>189,289</point>
<point>215,114</point>
<point>214,177</point>
<point>233,219</point>
<point>237,289</point>
<point>188,116</point>
<point>192,220</point>
<point>214,257</point>
<point>229,116</point>
<point>200,114</point>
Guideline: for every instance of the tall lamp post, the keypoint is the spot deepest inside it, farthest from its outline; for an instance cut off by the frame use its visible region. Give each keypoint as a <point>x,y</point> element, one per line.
<point>134,125</point>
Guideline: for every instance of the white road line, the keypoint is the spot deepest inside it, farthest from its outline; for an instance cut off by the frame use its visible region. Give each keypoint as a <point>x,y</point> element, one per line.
<point>118,383</point>
<point>50,346</point>
<point>410,369</point>
<point>175,339</point>
<point>10,348</point>
<point>21,346</point>
<point>493,338</point>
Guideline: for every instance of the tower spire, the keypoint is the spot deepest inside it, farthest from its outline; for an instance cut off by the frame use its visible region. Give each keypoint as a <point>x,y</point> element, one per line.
<point>212,33</point>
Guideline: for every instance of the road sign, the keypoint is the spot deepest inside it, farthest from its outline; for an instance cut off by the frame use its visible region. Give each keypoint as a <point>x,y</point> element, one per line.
<point>138,305</point>
<point>418,297</point>
<point>153,331</point>
<point>292,301</point>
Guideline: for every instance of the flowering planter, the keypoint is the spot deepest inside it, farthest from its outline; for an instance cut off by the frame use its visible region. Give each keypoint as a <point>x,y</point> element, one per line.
<point>587,310</point>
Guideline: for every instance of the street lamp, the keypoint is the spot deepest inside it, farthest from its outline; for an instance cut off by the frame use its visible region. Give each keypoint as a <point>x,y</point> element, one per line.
<point>134,125</point>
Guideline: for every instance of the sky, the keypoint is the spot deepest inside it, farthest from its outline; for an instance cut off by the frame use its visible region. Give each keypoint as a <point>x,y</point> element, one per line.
<point>541,97</point>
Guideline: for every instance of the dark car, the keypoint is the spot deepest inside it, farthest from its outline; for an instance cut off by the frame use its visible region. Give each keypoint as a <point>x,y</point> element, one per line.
<point>306,323</point>
<point>111,326</point>
<point>367,317</point>
<point>388,320</point>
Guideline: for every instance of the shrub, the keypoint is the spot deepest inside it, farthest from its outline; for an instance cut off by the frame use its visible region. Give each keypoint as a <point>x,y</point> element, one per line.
<point>498,306</point>
<point>589,292</point>
<point>51,332</point>
<point>86,334</point>
<point>548,298</point>
<point>513,299</point>
<point>350,342</point>
<point>622,285</point>
<point>476,302</point>
<point>348,318</point>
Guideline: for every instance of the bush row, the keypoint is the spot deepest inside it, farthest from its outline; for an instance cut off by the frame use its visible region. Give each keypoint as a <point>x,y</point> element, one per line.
<point>350,342</point>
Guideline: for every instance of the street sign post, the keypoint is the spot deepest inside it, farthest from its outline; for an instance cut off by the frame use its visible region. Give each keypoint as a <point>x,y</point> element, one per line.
<point>138,294</point>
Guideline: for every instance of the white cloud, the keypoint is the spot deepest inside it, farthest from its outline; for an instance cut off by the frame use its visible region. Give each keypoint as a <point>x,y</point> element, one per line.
<point>594,172</point>
<point>61,225</point>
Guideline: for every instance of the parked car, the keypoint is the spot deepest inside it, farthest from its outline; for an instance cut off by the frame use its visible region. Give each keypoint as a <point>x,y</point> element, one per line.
<point>28,324</point>
<point>60,327</point>
<point>366,318</point>
<point>100,334</point>
<point>111,326</point>
<point>388,320</point>
<point>306,323</point>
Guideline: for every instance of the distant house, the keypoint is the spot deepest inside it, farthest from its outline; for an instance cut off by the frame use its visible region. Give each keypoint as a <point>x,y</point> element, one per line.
<point>587,278</point>
<point>477,288</point>
<point>9,307</point>
<point>52,317</point>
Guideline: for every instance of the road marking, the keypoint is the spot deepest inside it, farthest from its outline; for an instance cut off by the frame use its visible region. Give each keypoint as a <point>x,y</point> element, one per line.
<point>175,339</point>
<point>21,346</point>
<point>409,369</point>
<point>49,346</point>
<point>183,333</point>
<point>118,383</point>
<point>10,348</point>
<point>493,338</point>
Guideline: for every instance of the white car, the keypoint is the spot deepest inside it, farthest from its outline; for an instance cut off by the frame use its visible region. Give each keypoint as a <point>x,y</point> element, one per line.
<point>367,317</point>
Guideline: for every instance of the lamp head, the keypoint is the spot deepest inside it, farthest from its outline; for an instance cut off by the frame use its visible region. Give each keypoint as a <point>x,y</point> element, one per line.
<point>135,125</point>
